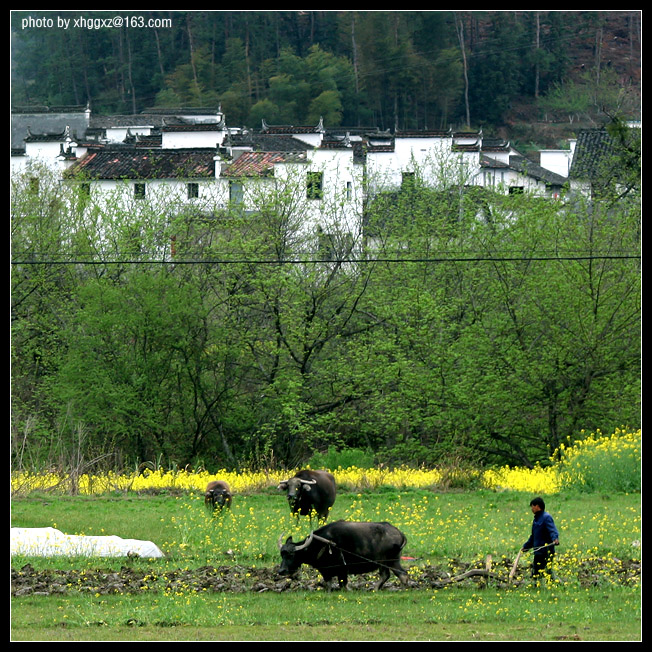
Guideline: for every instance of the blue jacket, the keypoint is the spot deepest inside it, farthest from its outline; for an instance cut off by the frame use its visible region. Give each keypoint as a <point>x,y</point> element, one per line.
<point>543,532</point>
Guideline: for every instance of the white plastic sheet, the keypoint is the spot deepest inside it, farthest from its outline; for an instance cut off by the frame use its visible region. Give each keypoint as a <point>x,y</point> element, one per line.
<point>49,542</point>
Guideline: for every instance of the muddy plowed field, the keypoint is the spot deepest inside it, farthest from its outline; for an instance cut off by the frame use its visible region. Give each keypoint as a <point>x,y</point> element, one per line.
<point>237,579</point>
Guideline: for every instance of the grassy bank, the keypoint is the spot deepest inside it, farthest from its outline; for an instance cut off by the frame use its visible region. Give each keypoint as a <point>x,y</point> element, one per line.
<point>532,613</point>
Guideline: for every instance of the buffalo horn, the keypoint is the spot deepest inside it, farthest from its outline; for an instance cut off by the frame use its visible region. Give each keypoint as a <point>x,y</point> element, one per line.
<point>308,481</point>
<point>305,544</point>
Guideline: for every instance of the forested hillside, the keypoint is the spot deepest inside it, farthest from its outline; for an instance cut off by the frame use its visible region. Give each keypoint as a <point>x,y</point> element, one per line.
<point>391,69</point>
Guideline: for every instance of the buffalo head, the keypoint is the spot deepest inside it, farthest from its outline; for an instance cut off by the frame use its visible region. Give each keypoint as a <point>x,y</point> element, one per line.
<point>217,495</point>
<point>290,560</point>
<point>296,488</point>
<point>310,492</point>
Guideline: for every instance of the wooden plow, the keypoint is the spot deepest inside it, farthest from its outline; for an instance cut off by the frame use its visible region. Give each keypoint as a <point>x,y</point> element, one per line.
<point>486,571</point>
<point>474,572</point>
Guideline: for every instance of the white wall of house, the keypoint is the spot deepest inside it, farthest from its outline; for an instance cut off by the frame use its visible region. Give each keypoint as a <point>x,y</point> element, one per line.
<point>45,153</point>
<point>557,160</point>
<point>118,134</point>
<point>340,208</point>
<point>38,154</point>
<point>188,139</point>
<point>313,139</point>
<point>18,163</point>
<point>165,196</point>
<point>433,158</point>
<point>506,180</point>
<point>336,209</point>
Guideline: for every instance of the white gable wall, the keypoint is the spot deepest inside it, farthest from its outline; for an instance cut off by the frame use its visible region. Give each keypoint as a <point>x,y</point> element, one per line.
<point>190,139</point>
<point>118,134</point>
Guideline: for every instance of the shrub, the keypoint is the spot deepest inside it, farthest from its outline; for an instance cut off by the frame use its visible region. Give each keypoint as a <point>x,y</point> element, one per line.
<point>603,463</point>
<point>342,459</point>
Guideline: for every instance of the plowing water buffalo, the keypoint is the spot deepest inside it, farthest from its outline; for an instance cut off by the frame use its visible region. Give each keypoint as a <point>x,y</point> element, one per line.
<point>345,548</point>
<point>217,495</point>
<point>310,491</point>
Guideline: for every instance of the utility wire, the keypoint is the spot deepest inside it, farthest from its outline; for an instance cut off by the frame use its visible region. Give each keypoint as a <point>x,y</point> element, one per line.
<point>309,261</point>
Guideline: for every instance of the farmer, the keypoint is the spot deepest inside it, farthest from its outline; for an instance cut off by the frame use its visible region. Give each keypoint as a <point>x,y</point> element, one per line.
<point>544,537</point>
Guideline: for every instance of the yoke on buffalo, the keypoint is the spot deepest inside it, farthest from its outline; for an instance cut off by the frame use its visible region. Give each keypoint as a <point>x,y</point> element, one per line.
<point>346,548</point>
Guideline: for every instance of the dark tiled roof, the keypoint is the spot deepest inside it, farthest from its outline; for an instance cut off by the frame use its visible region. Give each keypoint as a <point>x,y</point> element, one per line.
<point>207,110</point>
<point>470,147</point>
<point>292,129</point>
<point>593,147</point>
<point>46,137</point>
<point>118,121</point>
<point>495,145</point>
<point>259,164</point>
<point>196,126</point>
<point>43,108</point>
<point>524,166</point>
<point>289,130</point>
<point>532,169</point>
<point>49,122</point>
<point>132,163</point>
<point>263,142</point>
<point>492,163</point>
<point>424,134</point>
<point>376,147</point>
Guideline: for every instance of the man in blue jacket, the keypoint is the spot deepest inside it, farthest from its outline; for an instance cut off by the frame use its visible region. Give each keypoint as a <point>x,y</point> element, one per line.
<point>544,537</point>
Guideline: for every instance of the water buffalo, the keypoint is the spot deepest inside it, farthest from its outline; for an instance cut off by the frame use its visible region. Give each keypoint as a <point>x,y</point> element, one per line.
<point>217,495</point>
<point>344,548</point>
<point>310,491</point>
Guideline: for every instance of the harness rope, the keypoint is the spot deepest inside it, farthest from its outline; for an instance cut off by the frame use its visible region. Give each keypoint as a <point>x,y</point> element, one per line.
<point>332,544</point>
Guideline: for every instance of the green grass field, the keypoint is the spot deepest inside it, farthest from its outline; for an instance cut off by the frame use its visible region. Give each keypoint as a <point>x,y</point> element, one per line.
<point>591,598</point>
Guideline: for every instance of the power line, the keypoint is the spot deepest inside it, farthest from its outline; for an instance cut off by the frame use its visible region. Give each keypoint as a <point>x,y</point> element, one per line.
<point>315,261</point>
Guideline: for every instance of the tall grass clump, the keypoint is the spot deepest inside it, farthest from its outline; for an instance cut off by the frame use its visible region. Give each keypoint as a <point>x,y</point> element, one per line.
<point>334,459</point>
<point>605,463</point>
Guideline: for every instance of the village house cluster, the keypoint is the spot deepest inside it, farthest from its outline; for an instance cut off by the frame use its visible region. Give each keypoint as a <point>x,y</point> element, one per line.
<point>191,160</point>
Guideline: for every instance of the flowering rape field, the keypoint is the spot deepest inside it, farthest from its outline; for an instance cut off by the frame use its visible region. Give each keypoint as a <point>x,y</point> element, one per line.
<point>588,464</point>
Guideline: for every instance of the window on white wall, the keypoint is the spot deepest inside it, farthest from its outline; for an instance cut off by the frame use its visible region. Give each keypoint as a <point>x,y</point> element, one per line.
<point>236,192</point>
<point>193,190</point>
<point>315,185</point>
<point>334,246</point>
<point>139,191</point>
<point>408,180</point>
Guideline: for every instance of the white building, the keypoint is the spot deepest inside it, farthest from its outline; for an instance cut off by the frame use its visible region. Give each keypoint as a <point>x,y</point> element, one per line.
<point>182,161</point>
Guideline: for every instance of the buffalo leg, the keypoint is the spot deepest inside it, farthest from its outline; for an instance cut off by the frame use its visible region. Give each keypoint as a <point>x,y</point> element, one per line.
<point>384,576</point>
<point>402,575</point>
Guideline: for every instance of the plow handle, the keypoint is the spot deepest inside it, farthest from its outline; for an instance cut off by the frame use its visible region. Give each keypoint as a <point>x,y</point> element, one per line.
<point>511,573</point>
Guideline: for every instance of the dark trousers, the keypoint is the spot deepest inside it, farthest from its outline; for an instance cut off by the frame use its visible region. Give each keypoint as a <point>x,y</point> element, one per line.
<point>541,561</point>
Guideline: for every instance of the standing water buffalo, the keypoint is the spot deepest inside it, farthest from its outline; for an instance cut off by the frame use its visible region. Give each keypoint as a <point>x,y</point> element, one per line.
<point>310,491</point>
<point>217,495</point>
<point>345,548</point>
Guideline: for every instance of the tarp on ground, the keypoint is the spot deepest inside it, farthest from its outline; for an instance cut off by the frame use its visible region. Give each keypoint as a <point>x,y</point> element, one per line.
<point>50,542</point>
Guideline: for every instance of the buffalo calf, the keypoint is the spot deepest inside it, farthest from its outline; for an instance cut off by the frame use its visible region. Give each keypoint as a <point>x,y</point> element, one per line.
<point>217,495</point>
